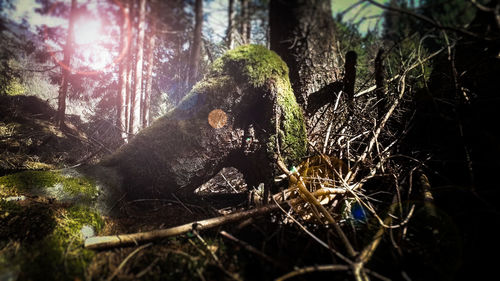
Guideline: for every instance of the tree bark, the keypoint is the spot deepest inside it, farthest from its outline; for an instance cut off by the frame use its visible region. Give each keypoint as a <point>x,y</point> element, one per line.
<point>196,47</point>
<point>302,33</point>
<point>122,99</point>
<point>149,76</point>
<point>244,24</point>
<point>66,68</point>
<point>129,84</point>
<point>135,102</point>
<point>230,25</point>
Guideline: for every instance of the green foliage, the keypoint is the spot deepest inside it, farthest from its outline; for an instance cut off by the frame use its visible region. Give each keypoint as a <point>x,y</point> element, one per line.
<point>14,87</point>
<point>404,37</point>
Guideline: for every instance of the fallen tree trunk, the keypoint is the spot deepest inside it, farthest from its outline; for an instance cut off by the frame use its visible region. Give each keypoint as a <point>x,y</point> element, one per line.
<point>243,114</point>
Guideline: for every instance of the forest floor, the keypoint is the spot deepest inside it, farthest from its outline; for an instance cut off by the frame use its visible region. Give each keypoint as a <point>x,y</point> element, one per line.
<point>46,212</point>
<point>48,209</point>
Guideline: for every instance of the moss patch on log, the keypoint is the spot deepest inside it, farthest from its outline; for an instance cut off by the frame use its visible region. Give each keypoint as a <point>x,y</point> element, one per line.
<point>255,63</point>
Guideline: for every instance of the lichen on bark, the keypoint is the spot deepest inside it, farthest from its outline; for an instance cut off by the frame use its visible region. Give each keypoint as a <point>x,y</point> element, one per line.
<point>249,89</point>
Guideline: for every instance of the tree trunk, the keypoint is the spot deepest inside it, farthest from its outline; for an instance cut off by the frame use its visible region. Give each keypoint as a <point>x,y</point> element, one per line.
<point>244,24</point>
<point>149,76</point>
<point>135,102</point>
<point>122,100</point>
<point>196,47</point>
<point>230,25</point>
<point>302,33</point>
<point>66,68</point>
<point>129,84</point>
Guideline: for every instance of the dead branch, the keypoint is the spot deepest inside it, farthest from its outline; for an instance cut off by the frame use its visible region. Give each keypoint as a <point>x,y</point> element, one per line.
<point>296,179</point>
<point>100,242</point>
<point>420,62</point>
<point>350,176</point>
<point>380,90</point>
<point>309,269</point>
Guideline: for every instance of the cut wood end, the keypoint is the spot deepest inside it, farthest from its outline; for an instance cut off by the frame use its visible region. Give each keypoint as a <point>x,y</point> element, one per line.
<point>100,241</point>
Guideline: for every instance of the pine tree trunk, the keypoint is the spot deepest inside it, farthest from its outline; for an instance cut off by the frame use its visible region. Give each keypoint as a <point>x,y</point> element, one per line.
<point>66,67</point>
<point>135,103</point>
<point>129,61</point>
<point>244,25</point>
<point>196,47</point>
<point>149,76</point>
<point>230,25</point>
<point>122,100</point>
<point>302,33</point>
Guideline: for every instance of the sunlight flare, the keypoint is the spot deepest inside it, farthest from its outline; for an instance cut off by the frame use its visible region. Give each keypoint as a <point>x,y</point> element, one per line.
<point>87,31</point>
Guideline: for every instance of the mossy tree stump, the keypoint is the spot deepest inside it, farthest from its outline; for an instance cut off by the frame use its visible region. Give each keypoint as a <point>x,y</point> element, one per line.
<point>243,114</point>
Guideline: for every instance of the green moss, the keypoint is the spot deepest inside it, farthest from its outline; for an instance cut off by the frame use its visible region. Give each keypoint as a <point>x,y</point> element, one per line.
<point>259,66</point>
<point>36,181</point>
<point>61,255</point>
<point>292,134</point>
<point>56,251</point>
<point>255,62</point>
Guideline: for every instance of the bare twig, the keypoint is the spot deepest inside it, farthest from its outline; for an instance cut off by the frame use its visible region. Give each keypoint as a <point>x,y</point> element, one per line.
<point>297,179</point>
<point>309,269</point>
<point>430,21</point>
<point>252,249</point>
<point>99,242</point>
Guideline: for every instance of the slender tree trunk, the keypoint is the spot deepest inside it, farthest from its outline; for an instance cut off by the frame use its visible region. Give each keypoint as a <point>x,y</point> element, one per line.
<point>135,104</point>
<point>129,61</point>
<point>122,100</point>
<point>244,25</point>
<point>149,76</point>
<point>230,25</point>
<point>66,69</point>
<point>196,47</point>
<point>248,23</point>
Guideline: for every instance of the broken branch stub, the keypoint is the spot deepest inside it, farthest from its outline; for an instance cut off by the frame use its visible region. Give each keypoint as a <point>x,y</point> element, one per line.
<point>242,114</point>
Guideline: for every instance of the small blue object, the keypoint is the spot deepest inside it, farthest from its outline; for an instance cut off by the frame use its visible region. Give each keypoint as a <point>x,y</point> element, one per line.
<point>358,212</point>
